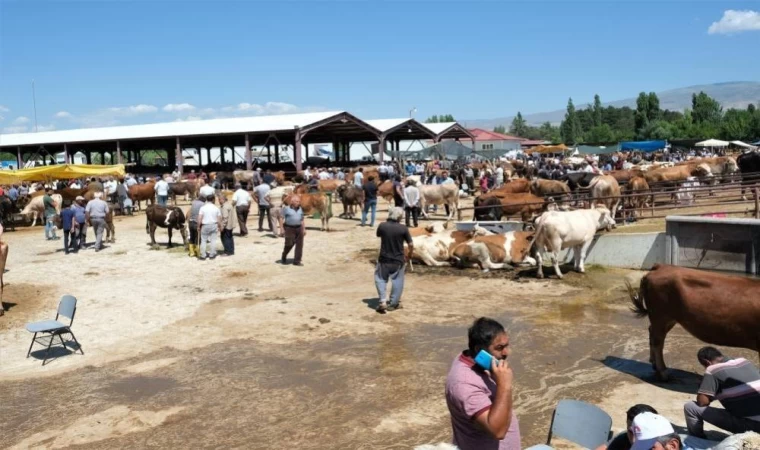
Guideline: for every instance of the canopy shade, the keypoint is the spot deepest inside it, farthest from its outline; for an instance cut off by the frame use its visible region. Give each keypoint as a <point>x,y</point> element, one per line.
<point>742,144</point>
<point>444,149</point>
<point>643,146</point>
<point>597,150</point>
<point>543,149</point>
<point>712,143</point>
<point>60,172</point>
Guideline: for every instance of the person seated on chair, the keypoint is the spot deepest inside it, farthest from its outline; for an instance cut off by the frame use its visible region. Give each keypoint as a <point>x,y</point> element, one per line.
<point>736,384</point>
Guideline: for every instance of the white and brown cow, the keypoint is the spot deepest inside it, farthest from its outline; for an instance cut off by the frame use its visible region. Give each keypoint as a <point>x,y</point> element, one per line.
<point>497,251</point>
<point>558,230</point>
<point>605,190</point>
<point>434,248</point>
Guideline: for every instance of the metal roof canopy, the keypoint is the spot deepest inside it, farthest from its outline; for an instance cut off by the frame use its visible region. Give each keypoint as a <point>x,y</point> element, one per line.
<point>449,130</point>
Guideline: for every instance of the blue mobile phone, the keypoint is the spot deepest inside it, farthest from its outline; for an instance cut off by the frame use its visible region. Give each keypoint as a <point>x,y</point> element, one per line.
<point>483,359</point>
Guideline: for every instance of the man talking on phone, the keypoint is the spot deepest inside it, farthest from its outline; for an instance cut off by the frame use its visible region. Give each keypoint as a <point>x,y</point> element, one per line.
<point>480,400</point>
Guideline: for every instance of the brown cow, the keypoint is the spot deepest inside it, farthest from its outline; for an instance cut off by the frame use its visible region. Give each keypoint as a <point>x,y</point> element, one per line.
<point>605,190</point>
<point>637,185</point>
<point>350,195</point>
<point>385,190</point>
<point>550,188</point>
<point>715,308</point>
<point>624,176</point>
<point>512,186</point>
<point>312,203</point>
<point>522,204</point>
<point>186,188</point>
<point>279,177</point>
<point>677,173</point>
<point>140,192</point>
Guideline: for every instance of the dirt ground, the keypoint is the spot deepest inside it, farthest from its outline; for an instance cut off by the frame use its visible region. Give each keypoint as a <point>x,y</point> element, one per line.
<point>243,352</point>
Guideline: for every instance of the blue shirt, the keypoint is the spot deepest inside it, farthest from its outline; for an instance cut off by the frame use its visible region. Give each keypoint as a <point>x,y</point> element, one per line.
<point>13,194</point>
<point>67,215</point>
<point>292,217</point>
<point>78,213</point>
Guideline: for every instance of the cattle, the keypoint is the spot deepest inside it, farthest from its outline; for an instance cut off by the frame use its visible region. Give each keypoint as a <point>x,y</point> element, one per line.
<point>524,205</point>
<point>313,203</point>
<point>142,192</point>
<point>558,230</point>
<point>37,208</point>
<point>496,251</point>
<point>322,186</point>
<point>637,186</point>
<point>515,186</point>
<point>668,178</point>
<point>550,188</point>
<point>171,218</point>
<point>70,194</point>
<point>350,196</point>
<point>433,228</point>
<point>385,190</point>
<point>435,249</point>
<point>749,166</point>
<point>279,177</point>
<point>487,209</point>
<point>186,188</point>
<point>578,180</point>
<point>605,190</point>
<point>715,308</point>
<point>3,259</point>
<point>721,165</point>
<point>225,180</point>
<point>440,194</point>
<point>244,177</point>
<point>625,175</point>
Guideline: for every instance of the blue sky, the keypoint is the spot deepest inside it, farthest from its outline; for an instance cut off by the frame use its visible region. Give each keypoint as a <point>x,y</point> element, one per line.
<point>99,63</point>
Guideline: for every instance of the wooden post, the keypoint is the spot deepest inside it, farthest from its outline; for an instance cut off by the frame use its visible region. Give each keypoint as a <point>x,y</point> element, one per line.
<point>297,151</point>
<point>248,155</point>
<point>757,203</point>
<point>19,158</point>
<point>277,153</point>
<point>118,152</point>
<point>177,156</point>
<point>381,148</point>
<point>66,158</point>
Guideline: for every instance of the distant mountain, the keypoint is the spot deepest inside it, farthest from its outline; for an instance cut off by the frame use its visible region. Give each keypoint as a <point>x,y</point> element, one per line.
<point>732,94</point>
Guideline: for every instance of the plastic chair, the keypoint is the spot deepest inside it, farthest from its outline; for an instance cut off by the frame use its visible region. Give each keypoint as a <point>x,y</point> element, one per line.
<point>67,307</point>
<point>581,423</point>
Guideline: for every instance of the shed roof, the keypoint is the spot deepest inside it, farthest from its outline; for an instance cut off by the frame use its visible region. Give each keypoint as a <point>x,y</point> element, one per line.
<point>237,125</point>
<point>485,135</point>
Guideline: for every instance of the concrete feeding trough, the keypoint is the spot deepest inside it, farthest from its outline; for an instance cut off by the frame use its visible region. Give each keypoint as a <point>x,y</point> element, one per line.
<point>492,226</point>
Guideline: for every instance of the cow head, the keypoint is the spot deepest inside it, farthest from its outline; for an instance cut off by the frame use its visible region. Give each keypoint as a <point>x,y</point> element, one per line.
<point>703,171</point>
<point>606,220</point>
<point>521,247</point>
<point>730,165</point>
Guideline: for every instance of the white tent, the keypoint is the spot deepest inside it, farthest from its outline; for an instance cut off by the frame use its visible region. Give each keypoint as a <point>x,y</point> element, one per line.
<point>742,144</point>
<point>712,143</point>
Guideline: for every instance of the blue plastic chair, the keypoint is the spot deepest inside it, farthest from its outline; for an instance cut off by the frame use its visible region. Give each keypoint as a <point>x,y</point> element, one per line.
<point>581,423</point>
<point>67,307</point>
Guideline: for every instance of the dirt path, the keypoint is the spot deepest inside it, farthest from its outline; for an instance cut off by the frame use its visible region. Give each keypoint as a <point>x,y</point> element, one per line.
<point>242,352</point>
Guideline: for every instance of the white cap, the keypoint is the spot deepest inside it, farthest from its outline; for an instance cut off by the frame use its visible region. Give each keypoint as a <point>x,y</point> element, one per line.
<point>646,428</point>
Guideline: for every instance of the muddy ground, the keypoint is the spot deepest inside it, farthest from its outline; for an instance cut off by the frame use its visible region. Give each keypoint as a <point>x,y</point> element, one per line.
<point>243,352</point>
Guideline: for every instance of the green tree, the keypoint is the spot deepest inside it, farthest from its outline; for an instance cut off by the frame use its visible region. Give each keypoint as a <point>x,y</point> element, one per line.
<point>499,129</point>
<point>549,132</point>
<point>440,118</point>
<point>597,111</point>
<point>653,107</point>
<point>432,119</point>
<point>570,128</point>
<point>601,134</point>
<point>656,130</point>
<point>737,125</point>
<point>642,111</point>
<point>705,109</point>
<point>519,127</point>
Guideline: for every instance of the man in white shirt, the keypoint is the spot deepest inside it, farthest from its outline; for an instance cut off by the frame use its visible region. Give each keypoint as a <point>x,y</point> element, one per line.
<point>499,176</point>
<point>130,181</point>
<point>340,175</point>
<point>210,226</point>
<point>412,202</point>
<point>324,175</point>
<point>359,177</point>
<point>241,200</point>
<point>110,188</point>
<point>261,196</point>
<point>206,189</point>
<point>307,173</point>
<point>162,191</point>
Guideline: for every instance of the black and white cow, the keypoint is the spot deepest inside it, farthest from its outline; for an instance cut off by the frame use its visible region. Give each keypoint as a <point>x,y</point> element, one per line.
<point>171,218</point>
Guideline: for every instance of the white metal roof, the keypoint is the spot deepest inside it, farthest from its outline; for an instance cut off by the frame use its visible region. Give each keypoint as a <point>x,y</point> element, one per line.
<point>386,124</point>
<point>169,129</point>
<point>439,127</point>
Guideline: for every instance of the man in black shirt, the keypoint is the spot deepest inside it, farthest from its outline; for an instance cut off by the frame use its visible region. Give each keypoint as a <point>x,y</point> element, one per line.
<point>392,260</point>
<point>370,200</point>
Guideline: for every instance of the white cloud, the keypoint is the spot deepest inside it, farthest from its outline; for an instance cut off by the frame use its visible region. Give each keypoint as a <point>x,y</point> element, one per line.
<point>134,109</point>
<point>265,109</point>
<point>178,107</point>
<point>4,109</point>
<point>21,120</point>
<point>62,115</point>
<point>735,22</point>
<point>42,128</point>
<point>16,129</point>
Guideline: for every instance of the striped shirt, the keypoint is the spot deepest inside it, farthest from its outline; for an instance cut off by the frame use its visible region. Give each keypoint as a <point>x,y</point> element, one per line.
<point>736,384</point>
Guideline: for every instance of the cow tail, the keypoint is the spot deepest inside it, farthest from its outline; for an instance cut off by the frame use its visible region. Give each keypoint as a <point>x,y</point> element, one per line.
<point>638,302</point>
<point>147,224</point>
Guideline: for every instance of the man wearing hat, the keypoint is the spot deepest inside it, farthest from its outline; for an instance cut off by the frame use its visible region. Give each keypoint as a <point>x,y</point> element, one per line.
<point>241,199</point>
<point>653,432</point>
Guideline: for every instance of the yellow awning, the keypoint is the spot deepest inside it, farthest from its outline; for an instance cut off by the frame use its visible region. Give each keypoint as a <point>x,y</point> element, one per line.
<point>60,172</point>
<point>542,149</point>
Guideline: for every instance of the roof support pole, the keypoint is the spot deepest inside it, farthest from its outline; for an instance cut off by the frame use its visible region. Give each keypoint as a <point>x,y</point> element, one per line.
<point>269,153</point>
<point>297,151</point>
<point>118,153</point>
<point>381,148</point>
<point>248,155</point>
<point>66,157</point>
<point>19,158</point>
<point>177,156</point>
<point>277,153</point>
